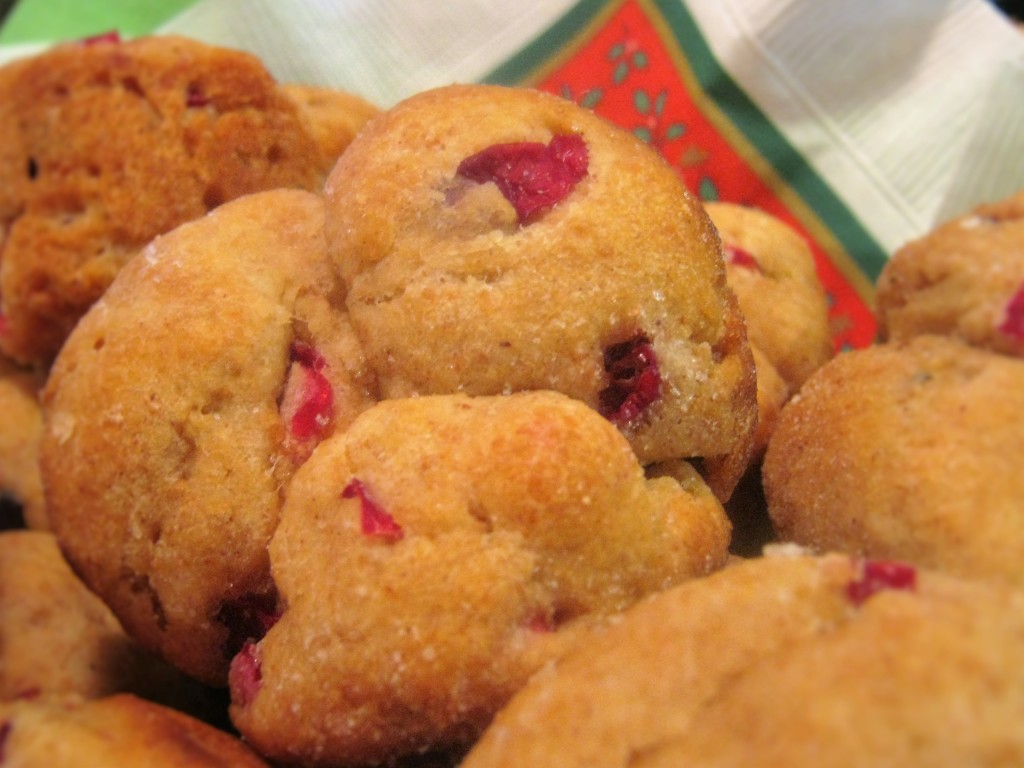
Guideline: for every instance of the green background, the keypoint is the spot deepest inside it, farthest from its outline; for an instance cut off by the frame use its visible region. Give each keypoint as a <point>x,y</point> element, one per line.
<point>33,21</point>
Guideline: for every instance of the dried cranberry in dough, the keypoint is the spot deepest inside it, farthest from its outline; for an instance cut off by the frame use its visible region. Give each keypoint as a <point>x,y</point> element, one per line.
<point>740,257</point>
<point>635,381</point>
<point>1013,322</point>
<point>374,520</point>
<point>450,290</point>
<point>307,406</point>
<point>877,575</point>
<point>113,36</point>
<point>245,675</point>
<point>532,176</point>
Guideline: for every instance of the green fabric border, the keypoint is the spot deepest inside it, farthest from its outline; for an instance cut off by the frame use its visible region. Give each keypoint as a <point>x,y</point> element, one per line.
<point>47,21</point>
<point>733,102</point>
<point>769,141</point>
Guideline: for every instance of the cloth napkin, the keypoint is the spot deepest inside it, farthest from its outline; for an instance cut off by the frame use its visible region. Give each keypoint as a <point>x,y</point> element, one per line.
<point>862,125</point>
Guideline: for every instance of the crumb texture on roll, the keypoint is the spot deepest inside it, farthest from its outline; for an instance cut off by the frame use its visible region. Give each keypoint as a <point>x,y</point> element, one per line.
<point>105,145</point>
<point>906,450</point>
<point>605,281</point>
<point>441,550</point>
<point>178,410</point>
<point>693,675</point>
<point>964,279</point>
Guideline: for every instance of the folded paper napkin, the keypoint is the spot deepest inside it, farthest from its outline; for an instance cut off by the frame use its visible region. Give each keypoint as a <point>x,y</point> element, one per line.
<point>861,124</point>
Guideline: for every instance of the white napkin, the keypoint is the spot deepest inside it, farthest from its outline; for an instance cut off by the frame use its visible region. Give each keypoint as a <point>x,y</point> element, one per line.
<point>910,111</point>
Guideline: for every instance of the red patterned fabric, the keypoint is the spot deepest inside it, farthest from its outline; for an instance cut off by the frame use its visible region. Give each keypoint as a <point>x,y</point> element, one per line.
<point>628,66</point>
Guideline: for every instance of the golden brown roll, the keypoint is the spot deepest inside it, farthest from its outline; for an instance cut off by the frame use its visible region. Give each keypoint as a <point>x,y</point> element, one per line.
<point>784,660</point>
<point>67,732</point>
<point>963,279</point>
<point>106,144</point>
<point>437,553</point>
<point>906,450</point>
<point>494,240</point>
<point>57,637</point>
<point>771,268</point>
<point>20,430</point>
<point>178,410</point>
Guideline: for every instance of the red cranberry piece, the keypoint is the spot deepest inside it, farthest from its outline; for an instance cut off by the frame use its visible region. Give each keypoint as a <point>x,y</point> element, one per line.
<point>307,405</point>
<point>375,520</point>
<point>5,327</point>
<point>245,675</point>
<point>194,97</point>
<point>540,623</point>
<point>740,257</point>
<point>877,575</point>
<point>1013,322</point>
<point>5,732</point>
<point>532,176</point>
<point>635,377</point>
<point>113,36</point>
<point>248,619</point>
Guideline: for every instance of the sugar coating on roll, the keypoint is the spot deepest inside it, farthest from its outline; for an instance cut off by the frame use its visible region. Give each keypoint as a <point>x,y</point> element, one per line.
<point>440,551</point>
<point>905,450</point>
<point>788,659</point>
<point>178,410</point>
<point>495,240</point>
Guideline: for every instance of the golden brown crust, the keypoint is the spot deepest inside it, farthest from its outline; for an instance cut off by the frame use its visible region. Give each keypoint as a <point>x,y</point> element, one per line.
<point>782,299</point>
<point>106,145</point>
<point>959,280</point>
<point>772,395</point>
<point>450,292</point>
<point>777,661</point>
<point>167,443</point>
<point>906,450</point>
<point>333,117</point>
<point>20,430</point>
<point>57,637</point>
<point>521,522</point>
<point>115,730</point>
<point>896,674</point>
